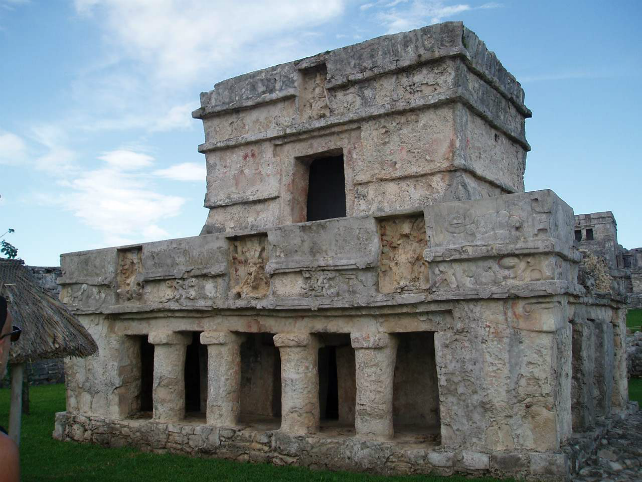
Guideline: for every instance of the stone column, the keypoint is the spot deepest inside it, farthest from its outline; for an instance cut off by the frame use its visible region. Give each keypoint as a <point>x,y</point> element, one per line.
<point>169,374</point>
<point>620,376</point>
<point>300,382</point>
<point>375,357</point>
<point>224,377</point>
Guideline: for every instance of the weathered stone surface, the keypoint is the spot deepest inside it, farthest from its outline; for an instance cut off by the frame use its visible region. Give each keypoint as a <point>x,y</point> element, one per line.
<point>223,377</point>
<point>299,375</point>
<point>634,354</point>
<point>606,266</point>
<point>247,271</point>
<point>169,377</point>
<point>375,356</point>
<point>129,279</point>
<point>401,263</point>
<point>429,112</point>
<point>618,454</point>
<point>475,460</point>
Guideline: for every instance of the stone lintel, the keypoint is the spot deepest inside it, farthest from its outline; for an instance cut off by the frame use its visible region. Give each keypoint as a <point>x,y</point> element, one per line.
<point>169,338</point>
<point>369,340</point>
<point>292,339</point>
<point>221,338</point>
<point>467,252</point>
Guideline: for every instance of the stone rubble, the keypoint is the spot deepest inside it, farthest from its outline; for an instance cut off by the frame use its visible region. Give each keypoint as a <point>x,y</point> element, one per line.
<point>634,354</point>
<point>619,454</point>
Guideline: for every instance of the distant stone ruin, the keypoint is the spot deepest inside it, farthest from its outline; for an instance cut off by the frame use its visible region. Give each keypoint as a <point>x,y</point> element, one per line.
<point>596,233</point>
<point>372,290</point>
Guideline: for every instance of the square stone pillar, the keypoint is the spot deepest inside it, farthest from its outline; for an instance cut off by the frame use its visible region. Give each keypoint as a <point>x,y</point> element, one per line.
<point>375,357</point>
<point>224,377</point>
<point>169,374</point>
<point>620,375</point>
<point>300,382</point>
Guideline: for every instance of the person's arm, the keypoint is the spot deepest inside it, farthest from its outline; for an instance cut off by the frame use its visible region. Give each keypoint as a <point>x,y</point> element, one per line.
<point>9,460</point>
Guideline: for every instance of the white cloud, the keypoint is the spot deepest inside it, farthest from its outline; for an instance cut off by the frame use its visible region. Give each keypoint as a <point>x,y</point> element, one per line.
<point>419,12</point>
<point>394,3</point>
<point>58,159</point>
<point>118,200</point>
<point>126,160</point>
<point>179,39</point>
<point>187,171</point>
<point>154,54</point>
<point>178,117</point>
<point>12,148</point>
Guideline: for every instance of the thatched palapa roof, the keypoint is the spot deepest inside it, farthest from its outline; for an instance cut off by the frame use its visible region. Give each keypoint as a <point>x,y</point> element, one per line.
<point>48,329</point>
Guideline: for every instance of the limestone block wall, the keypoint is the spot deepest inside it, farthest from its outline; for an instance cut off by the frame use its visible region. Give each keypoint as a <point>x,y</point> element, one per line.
<point>419,117</point>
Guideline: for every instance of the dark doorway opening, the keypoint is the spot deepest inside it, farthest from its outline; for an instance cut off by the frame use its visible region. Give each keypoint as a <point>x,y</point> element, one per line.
<point>328,384</point>
<point>589,234</point>
<point>260,381</point>
<point>146,375</point>
<point>326,189</point>
<point>416,388</point>
<point>196,377</point>
<point>578,235</point>
<point>337,382</point>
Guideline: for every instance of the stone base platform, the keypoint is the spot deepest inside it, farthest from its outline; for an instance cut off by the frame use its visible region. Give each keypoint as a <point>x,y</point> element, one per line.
<point>323,451</point>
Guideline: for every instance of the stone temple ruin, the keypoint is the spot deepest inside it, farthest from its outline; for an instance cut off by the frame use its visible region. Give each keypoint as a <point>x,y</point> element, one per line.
<point>373,290</point>
<point>596,234</point>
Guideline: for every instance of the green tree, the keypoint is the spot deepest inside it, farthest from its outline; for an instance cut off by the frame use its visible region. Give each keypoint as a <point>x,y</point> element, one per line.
<point>8,249</point>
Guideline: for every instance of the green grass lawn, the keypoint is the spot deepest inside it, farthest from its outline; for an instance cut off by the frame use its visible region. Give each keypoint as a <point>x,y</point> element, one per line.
<point>46,459</point>
<point>634,319</point>
<point>635,390</point>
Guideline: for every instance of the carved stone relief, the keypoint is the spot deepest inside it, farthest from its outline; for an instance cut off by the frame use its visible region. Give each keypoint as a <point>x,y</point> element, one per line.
<point>313,101</point>
<point>248,258</point>
<point>493,272</point>
<point>129,276</point>
<point>401,263</point>
<point>83,296</point>
<point>500,226</point>
<point>181,291</point>
<point>335,283</point>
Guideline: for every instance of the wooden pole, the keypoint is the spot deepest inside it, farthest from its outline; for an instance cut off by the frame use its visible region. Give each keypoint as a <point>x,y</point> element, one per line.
<point>25,391</point>
<point>15,412</point>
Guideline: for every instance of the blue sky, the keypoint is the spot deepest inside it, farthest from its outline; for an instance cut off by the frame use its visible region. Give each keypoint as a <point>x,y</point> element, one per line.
<point>98,147</point>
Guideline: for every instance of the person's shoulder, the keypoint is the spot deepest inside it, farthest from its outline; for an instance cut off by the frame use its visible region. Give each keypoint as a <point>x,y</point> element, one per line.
<point>9,460</point>
<point>9,456</point>
<point>7,444</point>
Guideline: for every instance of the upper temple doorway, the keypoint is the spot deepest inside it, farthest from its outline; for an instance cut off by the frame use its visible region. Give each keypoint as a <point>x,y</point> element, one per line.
<point>326,189</point>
